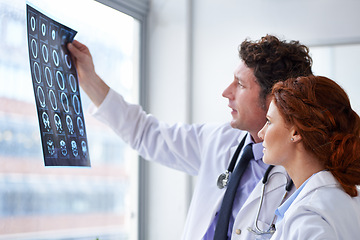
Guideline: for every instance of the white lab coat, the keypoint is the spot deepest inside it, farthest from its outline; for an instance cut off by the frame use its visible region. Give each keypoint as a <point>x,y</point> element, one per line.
<point>202,150</point>
<point>322,210</point>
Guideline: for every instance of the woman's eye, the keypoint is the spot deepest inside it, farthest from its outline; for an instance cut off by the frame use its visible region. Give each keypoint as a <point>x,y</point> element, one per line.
<point>268,122</point>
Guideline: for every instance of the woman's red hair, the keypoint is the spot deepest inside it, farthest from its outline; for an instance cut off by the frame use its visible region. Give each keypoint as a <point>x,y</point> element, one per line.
<point>330,129</point>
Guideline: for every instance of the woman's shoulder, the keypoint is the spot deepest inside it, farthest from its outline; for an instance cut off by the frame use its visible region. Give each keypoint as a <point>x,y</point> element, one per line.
<point>327,203</point>
<point>331,197</point>
<point>324,195</point>
<point>324,192</point>
<point>322,207</point>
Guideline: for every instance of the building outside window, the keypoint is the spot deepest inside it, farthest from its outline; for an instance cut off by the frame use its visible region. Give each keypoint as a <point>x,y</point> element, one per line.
<point>38,202</point>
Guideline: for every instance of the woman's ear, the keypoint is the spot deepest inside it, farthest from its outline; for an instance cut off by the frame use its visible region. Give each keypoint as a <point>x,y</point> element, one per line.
<point>295,136</point>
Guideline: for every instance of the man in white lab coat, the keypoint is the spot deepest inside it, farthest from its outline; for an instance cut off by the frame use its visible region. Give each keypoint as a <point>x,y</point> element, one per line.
<point>206,150</point>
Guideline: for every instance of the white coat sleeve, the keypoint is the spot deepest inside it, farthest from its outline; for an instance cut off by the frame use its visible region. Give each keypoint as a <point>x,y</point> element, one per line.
<point>178,146</point>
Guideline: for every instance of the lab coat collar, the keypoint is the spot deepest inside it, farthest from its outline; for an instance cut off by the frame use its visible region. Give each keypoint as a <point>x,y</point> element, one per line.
<point>319,180</point>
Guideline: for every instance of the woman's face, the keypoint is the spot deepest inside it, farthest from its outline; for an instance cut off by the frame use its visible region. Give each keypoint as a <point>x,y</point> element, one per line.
<point>277,137</point>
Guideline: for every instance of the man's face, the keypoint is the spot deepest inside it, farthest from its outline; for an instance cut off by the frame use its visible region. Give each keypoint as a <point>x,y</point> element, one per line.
<point>243,94</point>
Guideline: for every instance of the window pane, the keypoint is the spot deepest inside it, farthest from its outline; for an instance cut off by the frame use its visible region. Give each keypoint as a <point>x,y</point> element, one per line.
<point>38,202</point>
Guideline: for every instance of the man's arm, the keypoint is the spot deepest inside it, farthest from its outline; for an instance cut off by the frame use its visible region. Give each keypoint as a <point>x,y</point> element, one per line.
<point>89,81</point>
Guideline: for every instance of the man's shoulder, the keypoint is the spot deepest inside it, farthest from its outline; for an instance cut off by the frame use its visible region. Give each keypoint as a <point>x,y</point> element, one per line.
<point>224,129</point>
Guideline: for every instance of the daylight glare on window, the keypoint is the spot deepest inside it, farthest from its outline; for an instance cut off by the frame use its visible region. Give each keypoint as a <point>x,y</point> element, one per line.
<point>38,202</point>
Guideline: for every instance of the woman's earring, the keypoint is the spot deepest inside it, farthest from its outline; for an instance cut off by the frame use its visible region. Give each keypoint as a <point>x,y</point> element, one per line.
<point>292,139</point>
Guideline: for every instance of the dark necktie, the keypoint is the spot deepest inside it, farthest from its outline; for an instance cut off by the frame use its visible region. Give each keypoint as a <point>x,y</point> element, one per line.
<point>228,200</point>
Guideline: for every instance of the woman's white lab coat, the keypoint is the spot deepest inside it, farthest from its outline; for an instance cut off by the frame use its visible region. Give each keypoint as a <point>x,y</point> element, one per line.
<point>200,150</point>
<point>322,210</point>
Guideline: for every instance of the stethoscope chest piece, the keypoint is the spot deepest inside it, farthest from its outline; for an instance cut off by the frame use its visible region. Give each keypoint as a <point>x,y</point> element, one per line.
<point>223,180</point>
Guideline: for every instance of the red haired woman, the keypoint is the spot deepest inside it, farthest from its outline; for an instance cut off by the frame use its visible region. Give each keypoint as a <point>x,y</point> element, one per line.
<point>313,132</point>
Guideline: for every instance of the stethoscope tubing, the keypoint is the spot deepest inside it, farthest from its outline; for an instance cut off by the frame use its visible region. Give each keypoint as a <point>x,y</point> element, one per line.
<point>265,180</point>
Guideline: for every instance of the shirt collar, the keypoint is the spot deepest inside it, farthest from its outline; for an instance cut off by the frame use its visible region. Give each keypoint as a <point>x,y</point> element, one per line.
<point>256,147</point>
<point>280,211</point>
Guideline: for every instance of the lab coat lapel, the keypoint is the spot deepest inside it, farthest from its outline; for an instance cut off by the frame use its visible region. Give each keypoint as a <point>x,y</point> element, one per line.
<point>274,191</point>
<point>201,223</point>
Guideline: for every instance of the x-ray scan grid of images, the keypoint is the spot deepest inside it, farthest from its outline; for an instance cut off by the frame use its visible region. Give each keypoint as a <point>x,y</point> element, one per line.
<point>56,91</point>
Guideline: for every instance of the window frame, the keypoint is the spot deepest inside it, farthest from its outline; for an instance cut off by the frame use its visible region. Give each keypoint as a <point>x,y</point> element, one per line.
<point>138,9</point>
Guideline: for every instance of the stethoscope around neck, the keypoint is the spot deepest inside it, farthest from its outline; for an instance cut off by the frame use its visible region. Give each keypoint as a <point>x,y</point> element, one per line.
<point>265,181</point>
<point>223,180</point>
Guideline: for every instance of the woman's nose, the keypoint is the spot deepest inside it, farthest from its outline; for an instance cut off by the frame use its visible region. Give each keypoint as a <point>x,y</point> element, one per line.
<point>261,133</point>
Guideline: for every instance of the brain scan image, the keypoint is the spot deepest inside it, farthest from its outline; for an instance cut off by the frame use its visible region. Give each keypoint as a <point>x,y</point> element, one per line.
<point>80,125</point>
<point>55,58</point>
<point>60,80</point>
<point>53,34</point>
<point>37,73</point>
<point>52,99</point>
<point>63,147</point>
<point>76,104</point>
<point>58,124</point>
<point>83,147</point>
<point>32,23</point>
<point>34,48</point>
<point>48,77</point>
<point>54,31</point>
<point>41,96</point>
<point>43,29</point>
<point>56,91</point>
<point>69,124</point>
<point>74,148</point>
<point>68,61</point>
<point>65,102</point>
<point>50,146</point>
<point>45,53</point>
<point>46,121</point>
<point>72,82</point>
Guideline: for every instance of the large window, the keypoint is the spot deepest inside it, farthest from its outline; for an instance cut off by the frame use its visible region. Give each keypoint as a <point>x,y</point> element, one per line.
<point>38,202</point>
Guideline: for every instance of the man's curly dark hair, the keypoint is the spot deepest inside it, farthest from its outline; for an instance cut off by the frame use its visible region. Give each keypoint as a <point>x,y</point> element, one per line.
<point>273,60</point>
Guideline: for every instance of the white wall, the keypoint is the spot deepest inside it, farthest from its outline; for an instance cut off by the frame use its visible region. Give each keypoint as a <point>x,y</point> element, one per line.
<point>167,191</point>
<point>218,27</point>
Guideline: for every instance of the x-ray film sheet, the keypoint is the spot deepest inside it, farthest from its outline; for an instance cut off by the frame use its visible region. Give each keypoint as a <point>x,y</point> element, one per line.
<point>56,91</point>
